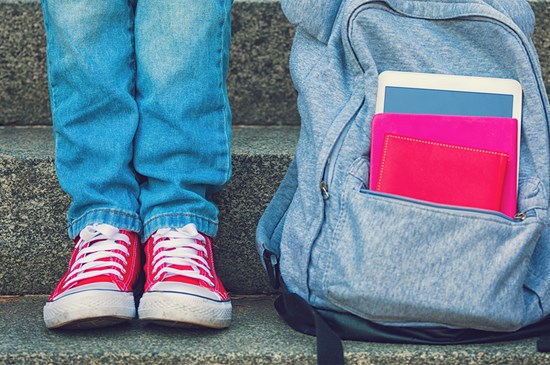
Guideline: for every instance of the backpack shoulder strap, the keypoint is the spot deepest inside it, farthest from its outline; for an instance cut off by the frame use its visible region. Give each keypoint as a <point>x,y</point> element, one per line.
<point>299,315</point>
<point>543,344</point>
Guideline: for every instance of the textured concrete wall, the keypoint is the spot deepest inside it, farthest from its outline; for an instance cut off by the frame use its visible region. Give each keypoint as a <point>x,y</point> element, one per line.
<point>541,38</point>
<point>260,89</point>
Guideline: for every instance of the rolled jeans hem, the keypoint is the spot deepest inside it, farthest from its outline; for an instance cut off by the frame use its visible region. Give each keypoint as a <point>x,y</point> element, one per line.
<point>175,220</point>
<point>115,217</point>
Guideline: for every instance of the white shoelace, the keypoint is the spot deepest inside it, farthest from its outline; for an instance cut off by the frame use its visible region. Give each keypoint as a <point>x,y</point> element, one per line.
<point>179,247</point>
<point>96,249</point>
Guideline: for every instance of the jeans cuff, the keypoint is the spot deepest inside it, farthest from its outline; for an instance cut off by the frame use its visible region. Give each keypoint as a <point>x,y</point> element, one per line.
<point>118,218</point>
<point>176,220</point>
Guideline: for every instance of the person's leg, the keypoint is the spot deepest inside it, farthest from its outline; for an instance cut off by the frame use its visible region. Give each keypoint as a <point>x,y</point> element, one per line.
<point>91,77</point>
<point>91,72</point>
<point>183,138</point>
<point>182,150</point>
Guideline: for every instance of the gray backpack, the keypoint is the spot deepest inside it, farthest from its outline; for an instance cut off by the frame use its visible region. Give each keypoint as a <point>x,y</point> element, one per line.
<point>374,267</point>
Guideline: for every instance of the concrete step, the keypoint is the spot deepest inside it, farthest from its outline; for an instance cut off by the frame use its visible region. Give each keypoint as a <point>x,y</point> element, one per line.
<point>34,248</point>
<point>256,336</point>
<point>259,85</point>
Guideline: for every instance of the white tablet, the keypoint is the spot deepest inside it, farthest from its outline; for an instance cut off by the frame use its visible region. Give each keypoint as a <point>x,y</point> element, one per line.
<point>422,93</point>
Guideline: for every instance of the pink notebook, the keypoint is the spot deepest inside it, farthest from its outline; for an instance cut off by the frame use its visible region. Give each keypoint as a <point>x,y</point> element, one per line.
<point>487,133</point>
<point>442,173</point>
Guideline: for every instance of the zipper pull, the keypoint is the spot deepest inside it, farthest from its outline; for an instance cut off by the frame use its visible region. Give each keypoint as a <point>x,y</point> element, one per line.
<point>324,190</point>
<point>520,216</point>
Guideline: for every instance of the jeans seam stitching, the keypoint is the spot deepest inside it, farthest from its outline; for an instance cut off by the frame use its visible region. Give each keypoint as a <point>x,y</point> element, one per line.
<point>224,101</point>
<point>178,215</point>
<point>74,222</point>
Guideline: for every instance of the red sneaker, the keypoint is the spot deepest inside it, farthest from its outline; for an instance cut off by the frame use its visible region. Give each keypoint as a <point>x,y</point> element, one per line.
<point>96,291</point>
<point>182,287</point>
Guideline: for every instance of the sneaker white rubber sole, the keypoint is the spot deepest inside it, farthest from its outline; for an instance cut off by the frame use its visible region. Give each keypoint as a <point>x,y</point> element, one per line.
<point>184,310</point>
<point>90,309</point>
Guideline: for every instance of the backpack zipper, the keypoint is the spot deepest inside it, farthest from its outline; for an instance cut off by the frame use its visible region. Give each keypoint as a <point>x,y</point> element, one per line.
<point>518,217</point>
<point>324,190</point>
<point>328,172</point>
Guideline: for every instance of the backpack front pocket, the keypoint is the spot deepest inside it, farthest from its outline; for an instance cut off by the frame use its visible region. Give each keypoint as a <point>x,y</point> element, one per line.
<point>404,261</point>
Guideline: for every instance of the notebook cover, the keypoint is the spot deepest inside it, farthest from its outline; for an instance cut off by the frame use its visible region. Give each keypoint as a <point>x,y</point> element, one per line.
<point>442,173</point>
<point>488,133</point>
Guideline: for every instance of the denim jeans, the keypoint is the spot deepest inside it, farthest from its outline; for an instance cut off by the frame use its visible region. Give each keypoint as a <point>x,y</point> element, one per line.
<point>142,124</point>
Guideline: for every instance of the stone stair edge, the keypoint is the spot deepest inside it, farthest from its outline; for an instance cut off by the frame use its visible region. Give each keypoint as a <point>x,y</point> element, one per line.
<point>34,258</point>
<point>246,140</point>
<point>256,336</point>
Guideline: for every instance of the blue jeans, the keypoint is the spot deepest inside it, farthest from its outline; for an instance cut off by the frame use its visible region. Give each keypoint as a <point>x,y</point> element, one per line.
<point>142,124</point>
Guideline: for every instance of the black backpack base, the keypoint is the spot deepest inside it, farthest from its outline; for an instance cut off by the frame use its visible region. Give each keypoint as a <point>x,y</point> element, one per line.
<point>331,327</point>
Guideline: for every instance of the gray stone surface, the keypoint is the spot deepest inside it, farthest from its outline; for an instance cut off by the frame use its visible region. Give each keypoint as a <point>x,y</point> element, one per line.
<point>260,89</point>
<point>23,86</point>
<point>541,38</point>
<point>259,86</point>
<point>34,248</point>
<point>256,336</point>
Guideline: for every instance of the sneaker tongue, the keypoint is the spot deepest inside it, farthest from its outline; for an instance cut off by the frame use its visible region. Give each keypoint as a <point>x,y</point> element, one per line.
<point>178,267</point>
<point>103,259</point>
<point>183,267</point>
<point>99,232</point>
<point>189,230</point>
<point>178,245</point>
